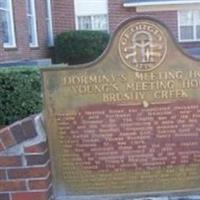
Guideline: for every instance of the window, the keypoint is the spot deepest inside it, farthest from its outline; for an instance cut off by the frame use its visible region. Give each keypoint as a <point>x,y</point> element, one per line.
<point>94,22</point>
<point>32,26</point>
<point>91,14</point>
<point>50,39</point>
<point>189,25</point>
<point>7,24</point>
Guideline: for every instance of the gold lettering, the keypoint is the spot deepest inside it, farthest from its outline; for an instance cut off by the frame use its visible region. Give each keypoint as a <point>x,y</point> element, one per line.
<point>94,89</point>
<point>126,87</point>
<point>178,75</point>
<point>191,84</point>
<point>170,94</point>
<point>116,97</point>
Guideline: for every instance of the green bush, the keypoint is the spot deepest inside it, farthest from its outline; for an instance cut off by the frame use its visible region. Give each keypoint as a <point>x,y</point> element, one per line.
<point>77,47</point>
<point>20,93</point>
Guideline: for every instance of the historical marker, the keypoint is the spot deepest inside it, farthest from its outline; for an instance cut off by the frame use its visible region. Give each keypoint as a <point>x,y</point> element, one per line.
<point>127,124</point>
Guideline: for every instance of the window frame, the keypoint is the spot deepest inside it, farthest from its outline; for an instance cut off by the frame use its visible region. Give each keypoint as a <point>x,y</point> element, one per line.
<point>194,26</point>
<point>49,23</point>
<point>34,44</point>
<point>9,11</point>
<point>92,22</point>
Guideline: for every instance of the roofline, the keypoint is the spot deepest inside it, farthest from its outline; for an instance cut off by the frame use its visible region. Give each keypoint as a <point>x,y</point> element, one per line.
<point>159,3</point>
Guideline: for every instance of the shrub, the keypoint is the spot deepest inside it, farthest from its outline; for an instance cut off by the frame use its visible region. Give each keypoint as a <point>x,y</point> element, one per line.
<point>77,47</point>
<point>20,93</point>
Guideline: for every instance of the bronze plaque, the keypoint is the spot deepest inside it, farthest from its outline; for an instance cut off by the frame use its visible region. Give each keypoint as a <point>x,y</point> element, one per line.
<point>128,123</point>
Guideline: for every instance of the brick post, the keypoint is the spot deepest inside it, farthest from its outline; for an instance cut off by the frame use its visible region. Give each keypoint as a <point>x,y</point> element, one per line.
<point>24,162</point>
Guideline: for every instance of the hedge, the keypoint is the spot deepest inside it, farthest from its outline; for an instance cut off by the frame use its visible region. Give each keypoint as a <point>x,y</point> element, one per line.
<point>77,47</point>
<point>20,93</point>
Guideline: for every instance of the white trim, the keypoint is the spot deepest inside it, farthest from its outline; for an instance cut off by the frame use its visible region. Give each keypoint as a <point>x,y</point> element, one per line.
<point>179,27</point>
<point>12,29</point>
<point>33,15</point>
<point>34,24</point>
<point>195,39</point>
<point>4,9</point>
<point>76,22</point>
<point>161,8</point>
<point>92,21</point>
<point>49,18</point>
<point>75,16</point>
<point>160,3</point>
<point>108,19</point>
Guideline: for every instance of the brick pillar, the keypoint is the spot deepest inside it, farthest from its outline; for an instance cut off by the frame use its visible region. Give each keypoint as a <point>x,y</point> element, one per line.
<point>24,162</point>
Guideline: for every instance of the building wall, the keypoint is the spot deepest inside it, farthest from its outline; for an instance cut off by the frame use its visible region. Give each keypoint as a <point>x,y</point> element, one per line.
<point>117,14</point>
<point>63,15</point>
<point>23,51</point>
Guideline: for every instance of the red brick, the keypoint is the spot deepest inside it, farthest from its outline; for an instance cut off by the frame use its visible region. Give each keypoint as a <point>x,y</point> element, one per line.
<point>7,137</point>
<point>63,9</point>
<point>23,51</point>
<point>190,44</point>
<point>15,185</point>
<point>4,196</point>
<point>30,196</point>
<point>1,146</point>
<point>10,161</point>
<point>117,13</point>
<point>18,132</point>
<point>40,184</point>
<point>37,148</point>
<point>32,172</point>
<point>37,159</point>
<point>2,174</point>
<point>63,15</point>
<point>29,128</point>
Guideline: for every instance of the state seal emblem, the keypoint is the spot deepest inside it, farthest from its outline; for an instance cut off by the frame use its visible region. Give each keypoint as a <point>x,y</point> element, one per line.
<point>142,46</point>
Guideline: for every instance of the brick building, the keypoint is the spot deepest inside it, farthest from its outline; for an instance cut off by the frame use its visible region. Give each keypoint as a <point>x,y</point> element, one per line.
<point>27,27</point>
